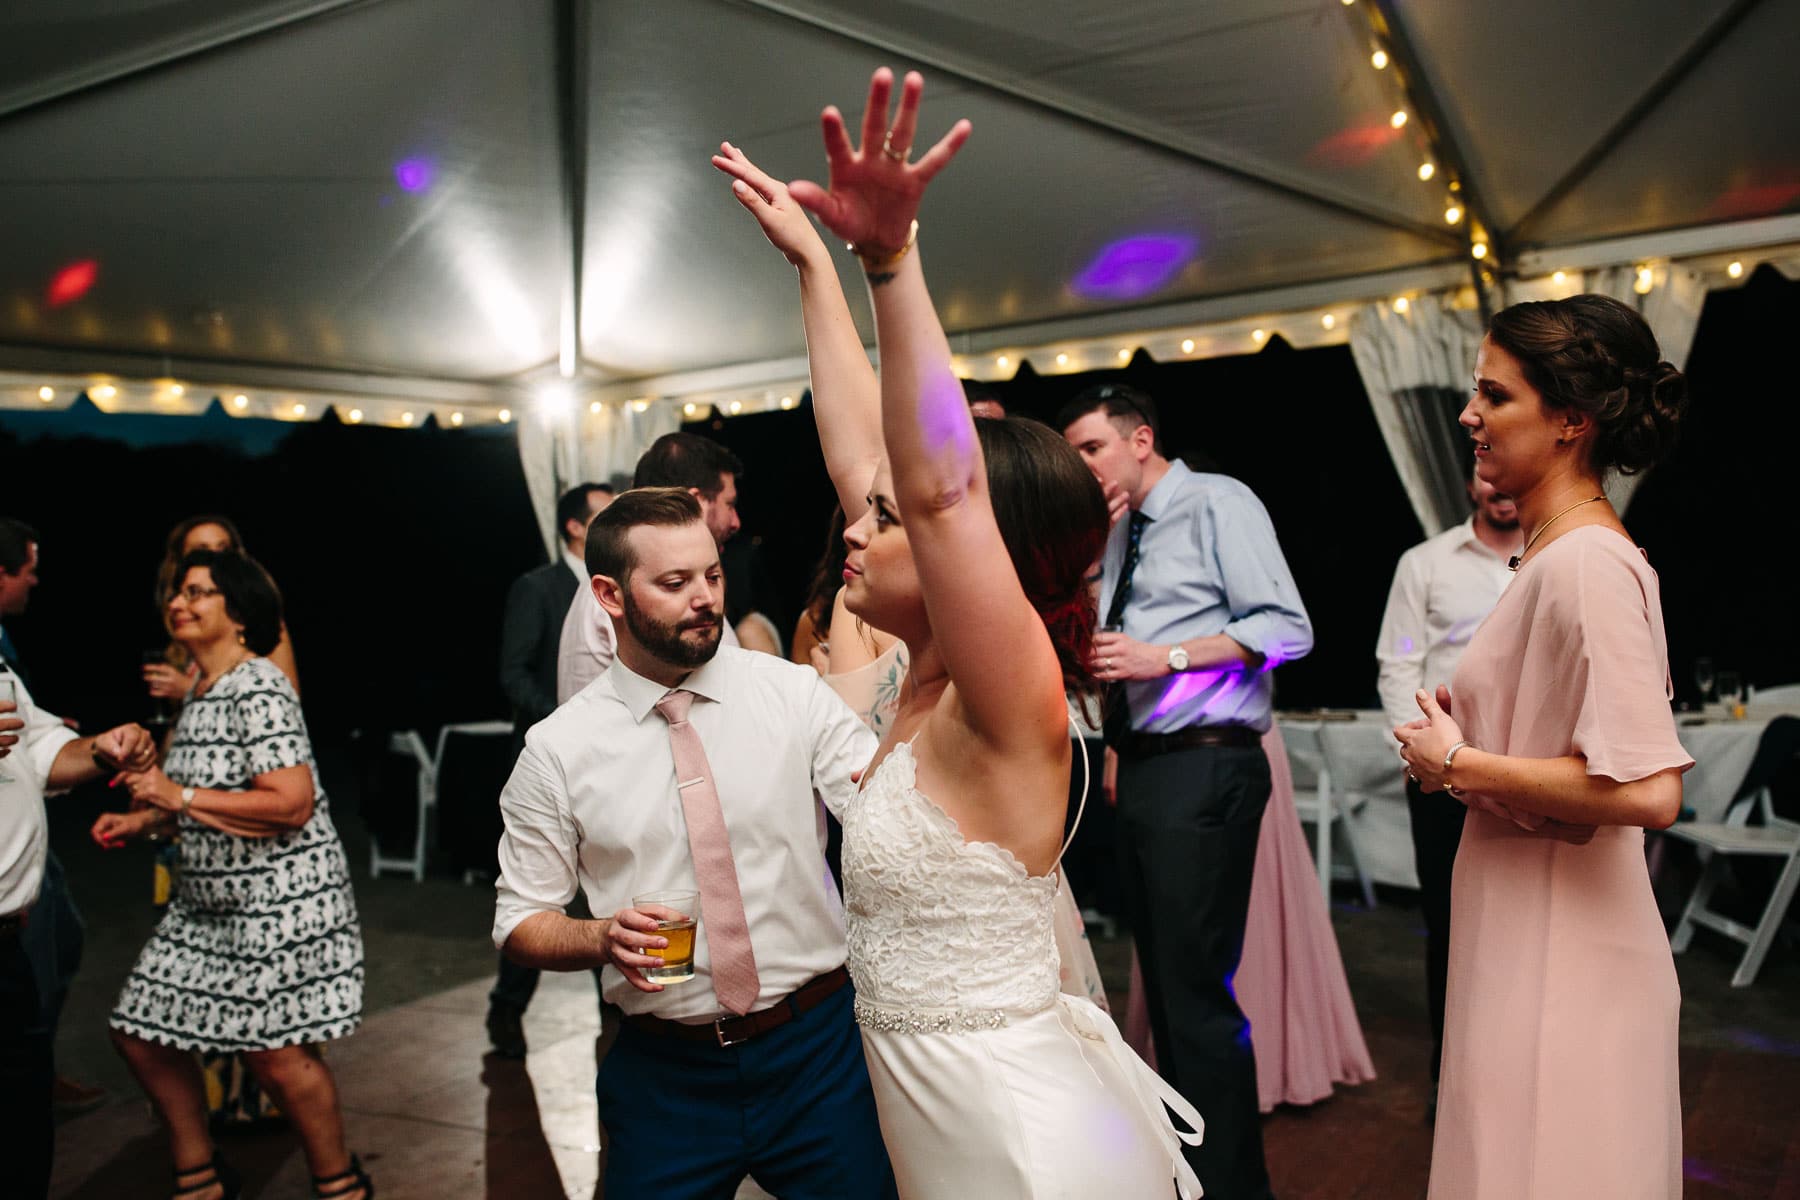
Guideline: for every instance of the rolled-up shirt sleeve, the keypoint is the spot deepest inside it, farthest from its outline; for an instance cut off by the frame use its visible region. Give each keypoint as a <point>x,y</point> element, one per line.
<point>540,846</point>
<point>841,746</point>
<point>41,740</point>
<point>1267,615</point>
<point>1405,637</point>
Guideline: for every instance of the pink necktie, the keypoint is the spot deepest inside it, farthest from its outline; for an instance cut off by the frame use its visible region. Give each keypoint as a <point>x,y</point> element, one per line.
<point>721,904</point>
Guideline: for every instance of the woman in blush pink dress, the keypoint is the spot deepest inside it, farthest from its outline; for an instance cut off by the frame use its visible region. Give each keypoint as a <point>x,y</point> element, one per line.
<point>1559,1070</point>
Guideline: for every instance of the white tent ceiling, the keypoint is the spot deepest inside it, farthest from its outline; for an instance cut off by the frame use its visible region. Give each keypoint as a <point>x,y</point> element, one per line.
<point>444,200</point>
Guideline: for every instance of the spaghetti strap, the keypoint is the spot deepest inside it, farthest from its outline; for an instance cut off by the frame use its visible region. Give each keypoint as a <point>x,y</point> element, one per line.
<point>1087,780</point>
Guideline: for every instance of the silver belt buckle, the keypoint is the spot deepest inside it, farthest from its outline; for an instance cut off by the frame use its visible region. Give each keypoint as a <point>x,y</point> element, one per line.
<point>719,1032</point>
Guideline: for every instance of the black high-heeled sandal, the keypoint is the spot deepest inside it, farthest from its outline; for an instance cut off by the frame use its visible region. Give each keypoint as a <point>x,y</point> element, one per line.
<point>345,1183</point>
<point>218,1171</point>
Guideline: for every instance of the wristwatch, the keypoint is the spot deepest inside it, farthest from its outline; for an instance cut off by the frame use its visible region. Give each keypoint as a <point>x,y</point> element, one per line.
<point>187,798</point>
<point>1178,659</point>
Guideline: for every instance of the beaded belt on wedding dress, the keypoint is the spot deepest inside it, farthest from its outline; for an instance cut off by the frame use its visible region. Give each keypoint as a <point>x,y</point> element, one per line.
<point>899,1018</point>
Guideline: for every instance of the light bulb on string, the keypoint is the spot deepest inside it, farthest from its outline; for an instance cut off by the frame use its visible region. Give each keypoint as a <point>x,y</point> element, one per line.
<point>1479,250</point>
<point>1735,270</point>
<point>1427,170</point>
<point>1259,336</point>
<point>506,416</point>
<point>46,393</point>
<point>456,418</point>
<point>1453,214</point>
<point>1062,360</point>
<point>1560,278</point>
<point>1398,120</point>
<point>1401,304</point>
<point>1187,345</point>
<point>1646,279</point>
<point>1379,59</point>
<point>355,416</point>
<point>240,402</point>
<point>406,418</point>
<point>1329,321</point>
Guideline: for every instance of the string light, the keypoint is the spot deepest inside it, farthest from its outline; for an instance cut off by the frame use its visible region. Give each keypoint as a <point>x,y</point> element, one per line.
<point>640,406</point>
<point>1379,60</point>
<point>506,416</point>
<point>46,393</point>
<point>1427,170</point>
<point>1124,354</point>
<point>1259,336</point>
<point>689,409</point>
<point>406,418</point>
<point>105,391</point>
<point>177,391</point>
<point>1401,304</point>
<point>735,407</point>
<point>1062,360</point>
<point>456,418</point>
<point>788,402</point>
<point>1646,279</point>
<point>1328,321</point>
<point>595,407</point>
<point>1187,345</point>
<point>1479,250</point>
<point>356,415</point>
<point>1560,278</point>
<point>1453,214</point>
<point>1398,120</point>
<point>240,401</point>
<point>1735,270</point>
<point>299,410</point>
<point>1002,362</point>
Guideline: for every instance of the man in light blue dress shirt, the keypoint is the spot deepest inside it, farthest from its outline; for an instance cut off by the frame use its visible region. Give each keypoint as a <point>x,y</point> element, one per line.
<point>1198,606</point>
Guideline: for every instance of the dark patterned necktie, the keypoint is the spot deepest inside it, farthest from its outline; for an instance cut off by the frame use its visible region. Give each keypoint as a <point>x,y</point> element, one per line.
<point>1117,722</point>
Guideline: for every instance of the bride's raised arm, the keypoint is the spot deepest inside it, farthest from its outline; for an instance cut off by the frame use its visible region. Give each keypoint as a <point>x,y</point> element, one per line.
<point>846,395</point>
<point>993,644</point>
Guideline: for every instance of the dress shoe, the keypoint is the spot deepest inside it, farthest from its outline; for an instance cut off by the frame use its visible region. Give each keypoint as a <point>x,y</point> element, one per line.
<point>505,1031</point>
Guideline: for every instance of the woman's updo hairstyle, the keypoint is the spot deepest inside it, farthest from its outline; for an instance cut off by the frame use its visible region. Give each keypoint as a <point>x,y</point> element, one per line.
<point>1597,356</point>
<point>1053,519</point>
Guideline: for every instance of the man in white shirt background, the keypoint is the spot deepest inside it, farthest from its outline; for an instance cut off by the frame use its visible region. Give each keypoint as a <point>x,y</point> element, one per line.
<point>1443,589</point>
<point>39,755</point>
<point>530,635</point>
<point>753,1066</point>
<point>707,471</point>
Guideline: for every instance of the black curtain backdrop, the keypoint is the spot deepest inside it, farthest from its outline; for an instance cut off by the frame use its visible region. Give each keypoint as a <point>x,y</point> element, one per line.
<point>394,548</point>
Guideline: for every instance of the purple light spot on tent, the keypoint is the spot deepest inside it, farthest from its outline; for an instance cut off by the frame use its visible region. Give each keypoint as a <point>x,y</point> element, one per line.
<point>1135,266</point>
<point>1406,645</point>
<point>1762,1043</point>
<point>413,174</point>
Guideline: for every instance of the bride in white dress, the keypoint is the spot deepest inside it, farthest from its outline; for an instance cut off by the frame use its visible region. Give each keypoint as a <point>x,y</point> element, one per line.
<point>972,546</point>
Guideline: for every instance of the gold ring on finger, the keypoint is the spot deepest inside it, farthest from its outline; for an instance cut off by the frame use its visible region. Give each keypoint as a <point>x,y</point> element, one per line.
<point>887,148</point>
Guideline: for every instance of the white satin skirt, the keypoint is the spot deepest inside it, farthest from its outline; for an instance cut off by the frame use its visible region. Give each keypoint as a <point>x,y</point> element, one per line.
<point>1050,1106</point>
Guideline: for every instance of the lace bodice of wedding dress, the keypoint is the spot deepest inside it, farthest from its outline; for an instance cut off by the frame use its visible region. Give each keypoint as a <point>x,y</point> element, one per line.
<point>937,922</point>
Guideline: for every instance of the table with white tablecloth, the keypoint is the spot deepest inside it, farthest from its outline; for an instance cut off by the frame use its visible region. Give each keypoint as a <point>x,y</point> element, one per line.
<point>1365,764</point>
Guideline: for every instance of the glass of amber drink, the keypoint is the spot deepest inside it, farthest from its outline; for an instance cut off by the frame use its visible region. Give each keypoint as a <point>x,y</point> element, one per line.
<point>676,914</point>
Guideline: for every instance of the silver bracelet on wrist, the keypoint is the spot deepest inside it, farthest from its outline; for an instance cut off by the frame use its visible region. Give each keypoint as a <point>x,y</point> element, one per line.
<point>1449,757</point>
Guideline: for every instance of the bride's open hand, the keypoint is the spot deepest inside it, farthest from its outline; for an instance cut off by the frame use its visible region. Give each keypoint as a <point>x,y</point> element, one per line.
<point>873,193</point>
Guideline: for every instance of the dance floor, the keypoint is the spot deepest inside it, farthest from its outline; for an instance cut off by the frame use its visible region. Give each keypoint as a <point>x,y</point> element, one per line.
<point>436,1120</point>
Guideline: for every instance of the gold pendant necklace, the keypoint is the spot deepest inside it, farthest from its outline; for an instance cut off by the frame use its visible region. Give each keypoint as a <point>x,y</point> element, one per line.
<point>1512,564</point>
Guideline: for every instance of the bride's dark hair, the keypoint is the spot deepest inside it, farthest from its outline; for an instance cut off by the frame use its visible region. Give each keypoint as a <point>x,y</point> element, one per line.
<point>1053,519</point>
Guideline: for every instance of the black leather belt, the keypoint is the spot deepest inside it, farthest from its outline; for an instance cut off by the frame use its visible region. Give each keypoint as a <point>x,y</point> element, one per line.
<point>1148,745</point>
<point>730,1031</point>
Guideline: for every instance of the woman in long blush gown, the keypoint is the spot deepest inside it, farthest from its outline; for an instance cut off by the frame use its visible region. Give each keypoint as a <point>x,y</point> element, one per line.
<point>971,546</point>
<point>1559,1073</point>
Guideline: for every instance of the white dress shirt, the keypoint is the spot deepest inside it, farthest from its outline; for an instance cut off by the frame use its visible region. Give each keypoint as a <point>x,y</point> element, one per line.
<point>1443,590</point>
<point>24,833</point>
<point>587,645</point>
<point>592,803</point>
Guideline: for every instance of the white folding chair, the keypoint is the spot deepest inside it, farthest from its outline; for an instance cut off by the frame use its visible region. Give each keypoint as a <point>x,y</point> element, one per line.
<point>1774,838</point>
<point>431,767</point>
<point>408,742</point>
<point>1325,805</point>
<point>1734,837</point>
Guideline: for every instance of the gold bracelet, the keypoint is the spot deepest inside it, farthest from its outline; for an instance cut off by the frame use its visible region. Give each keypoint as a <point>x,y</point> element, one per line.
<point>880,259</point>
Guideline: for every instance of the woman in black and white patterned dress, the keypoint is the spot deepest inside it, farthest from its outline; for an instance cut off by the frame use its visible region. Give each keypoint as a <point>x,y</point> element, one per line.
<point>260,951</point>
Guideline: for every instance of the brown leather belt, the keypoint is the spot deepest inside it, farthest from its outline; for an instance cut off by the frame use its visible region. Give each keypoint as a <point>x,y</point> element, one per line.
<point>1148,745</point>
<point>731,1031</point>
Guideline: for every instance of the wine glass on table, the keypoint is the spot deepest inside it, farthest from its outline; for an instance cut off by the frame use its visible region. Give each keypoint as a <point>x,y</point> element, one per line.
<point>1731,686</point>
<point>1703,678</point>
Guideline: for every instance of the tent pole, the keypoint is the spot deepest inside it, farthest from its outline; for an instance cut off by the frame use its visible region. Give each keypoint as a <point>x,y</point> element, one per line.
<point>168,52</point>
<point>1659,91</point>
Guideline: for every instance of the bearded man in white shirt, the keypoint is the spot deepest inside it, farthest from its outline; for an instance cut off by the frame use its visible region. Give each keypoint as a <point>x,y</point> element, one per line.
<point>754,1065</point>
<point>1443,589</point>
